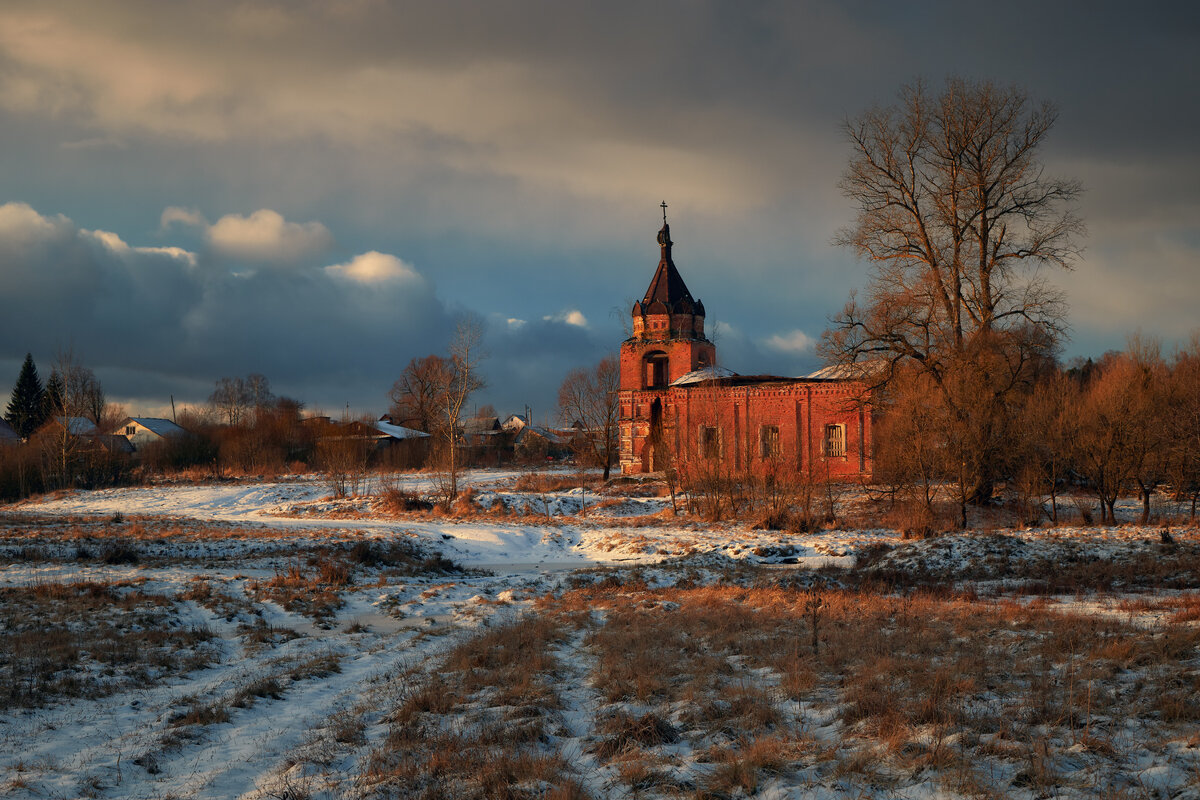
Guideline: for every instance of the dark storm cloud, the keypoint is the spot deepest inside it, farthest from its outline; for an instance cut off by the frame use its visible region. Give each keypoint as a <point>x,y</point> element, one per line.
<point>516,153</point>
<point>527,360</point>
<point>335,331</point>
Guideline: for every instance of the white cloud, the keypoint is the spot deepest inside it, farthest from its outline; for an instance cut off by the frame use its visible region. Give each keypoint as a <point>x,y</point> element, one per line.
<point>110,240</point>
<point>796,341</point>
<point>375,268</point>
<point>571,316</point>
<point>514,323</point>
<point>173,215</point>
<point>20,223</point>
<point>177,253</point>
<point>265,236</point>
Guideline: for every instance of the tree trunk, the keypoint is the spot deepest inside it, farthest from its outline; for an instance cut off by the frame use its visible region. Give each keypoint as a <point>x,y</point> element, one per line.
<point>453,470</point>
<point>981,493</point>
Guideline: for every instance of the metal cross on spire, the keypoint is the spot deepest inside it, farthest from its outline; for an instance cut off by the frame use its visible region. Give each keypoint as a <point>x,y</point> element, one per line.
<point>664,208</point>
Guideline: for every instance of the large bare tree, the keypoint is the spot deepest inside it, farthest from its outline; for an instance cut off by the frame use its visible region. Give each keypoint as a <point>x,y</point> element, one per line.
<point>589,396</point>
<point>417,400</point>
<point>230,399</point>
<point>958,218</point>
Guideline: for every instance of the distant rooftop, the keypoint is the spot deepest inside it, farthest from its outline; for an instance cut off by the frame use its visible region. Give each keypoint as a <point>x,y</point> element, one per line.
<point>158,425</point>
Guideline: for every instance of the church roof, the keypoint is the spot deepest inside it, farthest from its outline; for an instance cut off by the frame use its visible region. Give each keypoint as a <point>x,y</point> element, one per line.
<point>860,370</point>
<point>667,286</point>
<point>703,374</point>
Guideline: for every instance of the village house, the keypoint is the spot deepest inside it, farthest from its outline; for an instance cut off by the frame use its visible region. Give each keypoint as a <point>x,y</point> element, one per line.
<point>677,405</point>
<point>142,431</point>
<point>80,434</point>
<point>8,435</point>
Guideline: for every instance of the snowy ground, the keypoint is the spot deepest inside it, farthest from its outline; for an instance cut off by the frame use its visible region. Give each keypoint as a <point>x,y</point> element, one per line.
<point>290,633</point>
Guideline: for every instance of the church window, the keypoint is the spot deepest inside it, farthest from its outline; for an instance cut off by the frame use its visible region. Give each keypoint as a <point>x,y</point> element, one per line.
<point>768,436</point>
<point>835,440</point>
<point>710,442</point>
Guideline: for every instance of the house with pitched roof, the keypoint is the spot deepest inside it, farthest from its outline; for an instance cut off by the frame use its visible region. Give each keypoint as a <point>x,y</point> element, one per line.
<point>141,431</point>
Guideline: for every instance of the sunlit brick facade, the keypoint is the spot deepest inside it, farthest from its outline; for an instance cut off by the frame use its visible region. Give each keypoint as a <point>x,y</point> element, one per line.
<point>677,404</point>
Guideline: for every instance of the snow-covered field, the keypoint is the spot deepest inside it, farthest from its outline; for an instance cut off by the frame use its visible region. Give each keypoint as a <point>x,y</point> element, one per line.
<point>259,639</point>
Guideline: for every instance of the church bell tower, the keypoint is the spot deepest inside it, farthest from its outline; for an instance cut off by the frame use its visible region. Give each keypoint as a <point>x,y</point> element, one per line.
<point>668,338</point>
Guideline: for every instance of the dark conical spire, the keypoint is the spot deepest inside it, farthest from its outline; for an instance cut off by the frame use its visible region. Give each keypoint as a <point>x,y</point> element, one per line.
<point>667,286</point>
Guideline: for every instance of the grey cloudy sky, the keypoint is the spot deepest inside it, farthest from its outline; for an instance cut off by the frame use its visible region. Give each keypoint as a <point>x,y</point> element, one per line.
<point>316,191</point>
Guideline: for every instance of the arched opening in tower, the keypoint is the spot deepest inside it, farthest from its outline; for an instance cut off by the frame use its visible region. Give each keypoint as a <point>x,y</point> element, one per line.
<point>654,369</point>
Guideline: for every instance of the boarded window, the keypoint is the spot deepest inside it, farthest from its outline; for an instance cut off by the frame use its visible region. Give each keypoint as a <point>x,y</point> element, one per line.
<point>835,440</point>
<point>710,441</point>
<point>768,436</point>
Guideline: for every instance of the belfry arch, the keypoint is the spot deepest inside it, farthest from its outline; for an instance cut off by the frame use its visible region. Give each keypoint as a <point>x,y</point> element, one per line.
<point>655,369</point>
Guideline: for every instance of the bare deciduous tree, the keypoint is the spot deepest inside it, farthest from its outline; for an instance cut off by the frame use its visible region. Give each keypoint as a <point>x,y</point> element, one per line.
<point>343,457</point>
<point>589,397</point>
<point>1044,438</point>
<point>957,215</point>
<point>258,394</point>
<point>1109,410</point>
<point>234,398</point>
<point>80,401</point>
<point>461,380</point>
<point>417,400</point>
<point>229,398</point>
<point>1184,423</point>
<point>910,448</point>
<point>1150,437</point>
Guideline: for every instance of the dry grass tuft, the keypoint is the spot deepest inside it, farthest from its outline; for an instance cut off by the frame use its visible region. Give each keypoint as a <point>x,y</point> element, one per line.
<point>624,733</point>
<point>312,589</point>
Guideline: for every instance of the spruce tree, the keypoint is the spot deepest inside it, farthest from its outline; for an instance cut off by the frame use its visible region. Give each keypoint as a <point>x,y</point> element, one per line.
<point>52,397</point>
<point>25,408</point>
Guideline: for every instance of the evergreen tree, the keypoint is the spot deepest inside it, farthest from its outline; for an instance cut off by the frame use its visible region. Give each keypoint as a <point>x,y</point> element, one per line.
<point>25,408</point>
<point>52,398</point>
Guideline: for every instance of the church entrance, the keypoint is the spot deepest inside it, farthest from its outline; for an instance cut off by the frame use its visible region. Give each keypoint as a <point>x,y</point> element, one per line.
<point>651,452</point>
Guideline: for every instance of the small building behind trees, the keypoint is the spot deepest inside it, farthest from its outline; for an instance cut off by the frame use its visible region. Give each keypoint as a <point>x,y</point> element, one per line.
<point>143,431</point>
<point>7,435</point>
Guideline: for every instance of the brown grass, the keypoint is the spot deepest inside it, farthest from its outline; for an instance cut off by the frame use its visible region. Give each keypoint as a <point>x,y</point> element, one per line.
<point>311,588</point>
<point>622,733</point>
<point>743,766</point>
<point>89,639</point>
<point>927,683</point>
<point>541,482</point>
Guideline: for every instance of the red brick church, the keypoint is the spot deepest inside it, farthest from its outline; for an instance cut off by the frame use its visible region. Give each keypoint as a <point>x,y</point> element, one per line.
<point>677,403</point>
